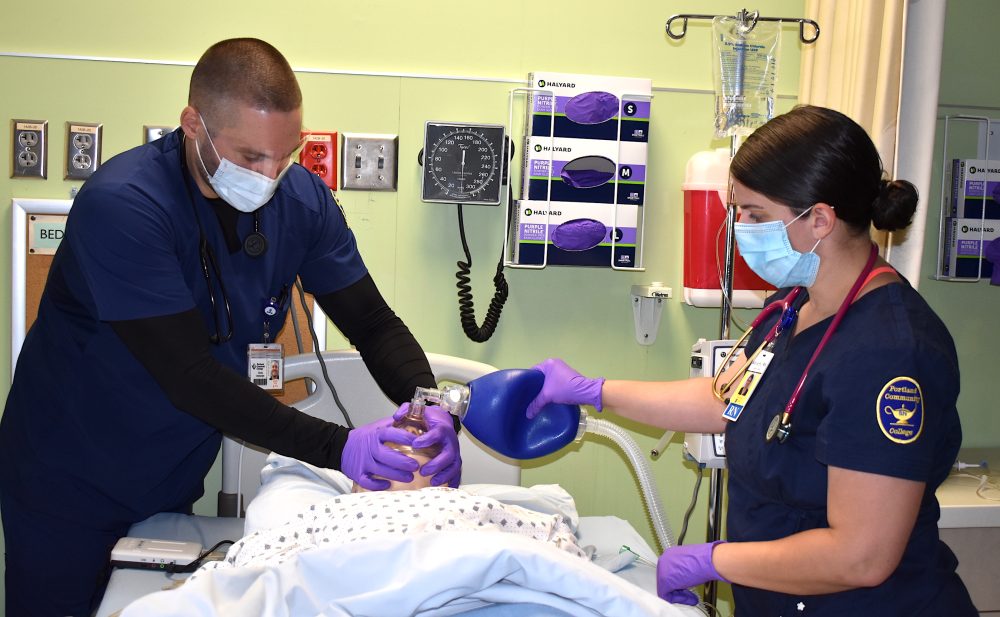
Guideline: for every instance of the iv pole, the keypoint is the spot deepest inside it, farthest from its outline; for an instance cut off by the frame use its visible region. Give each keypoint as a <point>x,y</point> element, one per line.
<point>749,21</point>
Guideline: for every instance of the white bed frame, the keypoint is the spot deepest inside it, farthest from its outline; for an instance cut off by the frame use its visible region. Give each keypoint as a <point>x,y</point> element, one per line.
<point>364,402</point>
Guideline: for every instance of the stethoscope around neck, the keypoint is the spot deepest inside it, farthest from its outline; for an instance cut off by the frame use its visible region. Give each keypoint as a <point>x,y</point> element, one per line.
<point>781,424</point>
<point>254,245</point>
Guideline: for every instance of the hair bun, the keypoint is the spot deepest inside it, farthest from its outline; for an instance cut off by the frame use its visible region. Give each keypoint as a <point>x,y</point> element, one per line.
<point>895,205</point>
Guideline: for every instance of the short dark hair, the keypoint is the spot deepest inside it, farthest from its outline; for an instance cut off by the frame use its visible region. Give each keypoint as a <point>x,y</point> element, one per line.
<point>243,71</point>
<point>814,154</point>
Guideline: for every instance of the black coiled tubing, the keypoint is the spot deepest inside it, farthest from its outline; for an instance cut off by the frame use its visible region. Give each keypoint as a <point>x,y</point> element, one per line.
<point>466,310</point>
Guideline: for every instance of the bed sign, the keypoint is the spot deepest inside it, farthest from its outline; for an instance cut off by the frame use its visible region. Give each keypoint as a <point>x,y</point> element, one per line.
<point>45,232</point>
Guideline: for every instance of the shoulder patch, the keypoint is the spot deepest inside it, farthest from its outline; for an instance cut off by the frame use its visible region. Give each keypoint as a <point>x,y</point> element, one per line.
<point>342,213</point>
<point>899,410</point>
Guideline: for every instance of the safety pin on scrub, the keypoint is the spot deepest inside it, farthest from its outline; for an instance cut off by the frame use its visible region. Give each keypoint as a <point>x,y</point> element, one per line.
<point>625,549</point>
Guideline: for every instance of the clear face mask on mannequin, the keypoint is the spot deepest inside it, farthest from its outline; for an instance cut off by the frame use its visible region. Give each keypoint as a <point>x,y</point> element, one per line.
<point>242,188</point>
<point>768,252</point>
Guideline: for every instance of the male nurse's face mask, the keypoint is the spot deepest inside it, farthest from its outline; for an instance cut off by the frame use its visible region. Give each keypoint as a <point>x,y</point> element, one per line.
<point>242,188</point>
<point>768,251</point>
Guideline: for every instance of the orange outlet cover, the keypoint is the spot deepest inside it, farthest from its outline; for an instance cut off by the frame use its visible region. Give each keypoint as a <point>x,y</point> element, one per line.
<point>319,155</point>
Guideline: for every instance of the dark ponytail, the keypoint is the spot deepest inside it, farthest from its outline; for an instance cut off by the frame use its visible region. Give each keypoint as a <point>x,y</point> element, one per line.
<point>894,207</point>
<point>814,154</point>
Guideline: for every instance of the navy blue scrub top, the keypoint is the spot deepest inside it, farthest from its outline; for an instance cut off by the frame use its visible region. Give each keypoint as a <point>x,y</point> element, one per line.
<point>890,351</point>
<point>86,427</point>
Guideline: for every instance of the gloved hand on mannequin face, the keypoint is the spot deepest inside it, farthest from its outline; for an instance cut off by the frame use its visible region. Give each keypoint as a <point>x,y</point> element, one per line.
<point>371,463</point>
<point>680,567</point>
<point>564,385</point>
<point>446,467</point>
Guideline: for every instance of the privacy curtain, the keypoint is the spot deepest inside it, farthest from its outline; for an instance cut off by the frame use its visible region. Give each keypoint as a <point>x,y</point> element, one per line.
<point>855,65</point>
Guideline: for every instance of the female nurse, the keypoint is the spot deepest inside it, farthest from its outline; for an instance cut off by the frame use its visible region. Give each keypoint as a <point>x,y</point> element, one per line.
<point>848,422</point>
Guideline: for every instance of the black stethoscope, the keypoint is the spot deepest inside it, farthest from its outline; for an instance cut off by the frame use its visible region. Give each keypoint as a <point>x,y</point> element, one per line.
<point>254,245</point>
<point>781,424</point>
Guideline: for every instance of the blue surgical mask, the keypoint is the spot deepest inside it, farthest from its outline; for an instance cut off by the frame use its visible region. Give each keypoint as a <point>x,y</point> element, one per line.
<point>242,188</point>
<point>768,251</point>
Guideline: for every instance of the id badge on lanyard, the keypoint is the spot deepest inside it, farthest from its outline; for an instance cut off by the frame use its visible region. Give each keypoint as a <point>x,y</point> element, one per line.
<point>748,384</point>
<point>266,361</point>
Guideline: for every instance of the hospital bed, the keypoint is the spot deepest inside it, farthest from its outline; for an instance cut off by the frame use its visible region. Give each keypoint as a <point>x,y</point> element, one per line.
<point>357,391</point>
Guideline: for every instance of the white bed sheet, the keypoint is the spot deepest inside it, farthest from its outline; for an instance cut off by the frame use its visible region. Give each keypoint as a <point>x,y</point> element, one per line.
<point>426,574</point>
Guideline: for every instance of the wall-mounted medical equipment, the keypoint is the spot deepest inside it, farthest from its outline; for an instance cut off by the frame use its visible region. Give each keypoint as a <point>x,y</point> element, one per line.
<point>708,358</point>
<point>467,164</point>
<point>584,170</point>
<point>969,223</point>
<point>463,163</point>
<point>492,408</point>
<point>647,306</point>
<point>706,186</point>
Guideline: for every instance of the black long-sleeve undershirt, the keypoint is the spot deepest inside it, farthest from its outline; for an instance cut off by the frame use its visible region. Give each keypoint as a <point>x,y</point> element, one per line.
<point>175,349</point>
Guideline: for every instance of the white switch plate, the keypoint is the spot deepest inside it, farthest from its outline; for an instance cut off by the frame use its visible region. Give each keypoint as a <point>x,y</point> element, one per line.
<point>368,162</point>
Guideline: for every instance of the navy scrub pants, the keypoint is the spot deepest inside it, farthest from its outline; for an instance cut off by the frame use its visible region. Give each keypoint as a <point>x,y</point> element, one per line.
<point>55,566</point>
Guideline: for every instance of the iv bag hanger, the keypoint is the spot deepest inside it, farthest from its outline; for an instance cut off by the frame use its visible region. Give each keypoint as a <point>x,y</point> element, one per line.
<point>749,21</point>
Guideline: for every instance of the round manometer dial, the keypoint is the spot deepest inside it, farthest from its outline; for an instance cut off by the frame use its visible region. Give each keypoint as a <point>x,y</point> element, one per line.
<point>463,163</point>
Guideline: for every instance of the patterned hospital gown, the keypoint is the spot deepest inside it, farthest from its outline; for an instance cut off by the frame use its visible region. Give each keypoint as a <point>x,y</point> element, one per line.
<point>356,517</point>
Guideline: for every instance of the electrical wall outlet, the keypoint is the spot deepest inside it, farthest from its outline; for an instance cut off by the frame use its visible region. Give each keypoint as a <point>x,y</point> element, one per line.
<point>368,162</point>
<point>83,150</point>
<point>319,155</point>
<point>30,147</point>
<point>152,132</point>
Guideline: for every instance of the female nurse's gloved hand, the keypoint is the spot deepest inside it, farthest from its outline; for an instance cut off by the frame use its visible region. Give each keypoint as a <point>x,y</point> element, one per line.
<point>366,455</point>
<point>446,467</point>
<point>680,567</point>
<point>564,385</point>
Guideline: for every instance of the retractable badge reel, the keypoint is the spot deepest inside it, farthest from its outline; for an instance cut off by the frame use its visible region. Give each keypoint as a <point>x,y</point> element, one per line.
<point>266,361</point>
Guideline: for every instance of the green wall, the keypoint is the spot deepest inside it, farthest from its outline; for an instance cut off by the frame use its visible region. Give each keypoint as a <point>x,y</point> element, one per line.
<point>582,315</point>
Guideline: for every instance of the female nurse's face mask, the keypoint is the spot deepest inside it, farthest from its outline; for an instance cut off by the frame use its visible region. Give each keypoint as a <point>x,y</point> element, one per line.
<point>242,188</point>
<point>768,251</point>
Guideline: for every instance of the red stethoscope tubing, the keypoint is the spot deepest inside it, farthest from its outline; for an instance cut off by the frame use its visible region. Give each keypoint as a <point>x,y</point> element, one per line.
<point>851,295</point>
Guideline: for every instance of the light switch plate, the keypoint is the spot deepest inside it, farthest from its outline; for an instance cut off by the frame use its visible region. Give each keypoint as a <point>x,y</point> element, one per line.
<point>30,147</point>
<point>152,132</point>
<point>368,162</point>
<point>83,149</point>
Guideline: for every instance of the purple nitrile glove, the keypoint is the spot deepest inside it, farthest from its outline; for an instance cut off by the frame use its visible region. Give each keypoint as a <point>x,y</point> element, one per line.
<point>366,455</point>
<point>446,467</point>
<point>991,251</point>
<point>680,567</point>
<point>564,385</point>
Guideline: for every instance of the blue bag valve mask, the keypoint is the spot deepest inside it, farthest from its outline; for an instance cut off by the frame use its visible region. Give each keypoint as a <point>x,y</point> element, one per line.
<point>493,408</point>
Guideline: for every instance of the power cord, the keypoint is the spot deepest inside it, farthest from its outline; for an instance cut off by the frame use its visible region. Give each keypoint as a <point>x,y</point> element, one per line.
<point>694,501</point>
<point>194,565</point>
<point>319,356</point>
<point>466,310</point>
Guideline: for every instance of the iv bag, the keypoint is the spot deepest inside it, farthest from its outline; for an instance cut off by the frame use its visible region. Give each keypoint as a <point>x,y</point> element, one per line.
<point>744,69</point>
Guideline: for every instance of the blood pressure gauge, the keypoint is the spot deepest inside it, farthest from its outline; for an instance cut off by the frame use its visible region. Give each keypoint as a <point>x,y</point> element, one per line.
<point>463,163</point>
